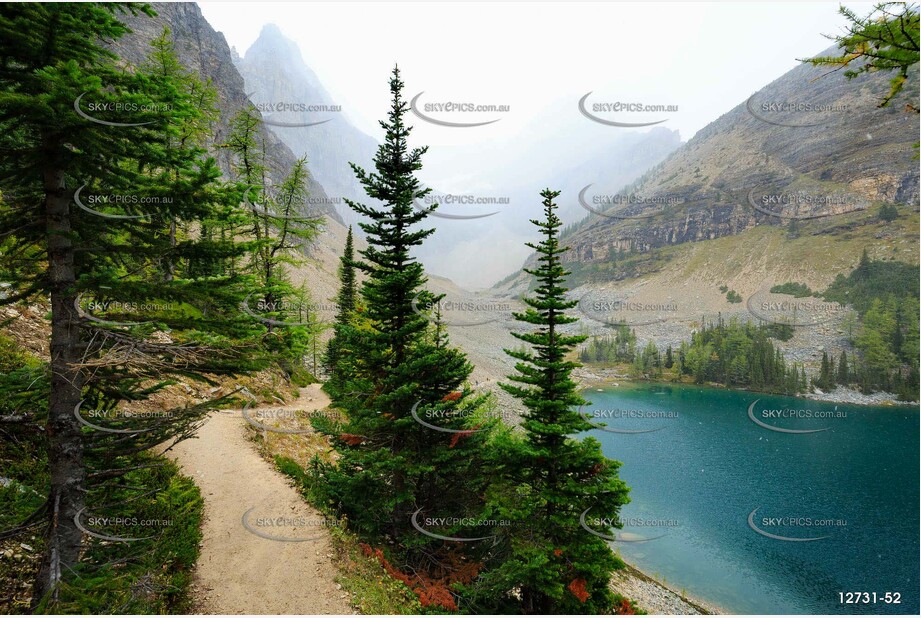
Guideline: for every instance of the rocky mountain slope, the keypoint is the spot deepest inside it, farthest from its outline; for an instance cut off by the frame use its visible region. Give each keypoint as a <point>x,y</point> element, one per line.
<point>768,193</point>
<point>203,50</point>
<point>767,162</point>
<point>275,73</point>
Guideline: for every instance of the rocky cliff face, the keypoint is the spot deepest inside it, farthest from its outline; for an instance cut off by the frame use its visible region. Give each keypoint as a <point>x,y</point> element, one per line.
<point>808,147</point>
<point>203,50</point>
<point>275,73</point>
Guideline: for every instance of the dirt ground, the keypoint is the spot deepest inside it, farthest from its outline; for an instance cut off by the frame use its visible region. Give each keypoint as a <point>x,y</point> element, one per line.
<point>277,561</point>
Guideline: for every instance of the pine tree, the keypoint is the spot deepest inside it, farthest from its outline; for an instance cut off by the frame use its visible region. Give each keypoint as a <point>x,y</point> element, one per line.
<point>338,358</point>
<point>122,258</point>
<point>391,466</point>
<point>275,220</point>
<point>844,374</point>
<point>826,378</point>
<point>557,566</point>
<point>888,212</point>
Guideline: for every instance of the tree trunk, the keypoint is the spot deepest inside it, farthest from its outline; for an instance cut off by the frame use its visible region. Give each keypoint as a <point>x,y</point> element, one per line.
<point>63,538</point>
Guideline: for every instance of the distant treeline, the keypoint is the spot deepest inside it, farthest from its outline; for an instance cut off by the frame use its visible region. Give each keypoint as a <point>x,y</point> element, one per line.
<point>733,353</point>
<point>885,296</point>
<point>885,337</point>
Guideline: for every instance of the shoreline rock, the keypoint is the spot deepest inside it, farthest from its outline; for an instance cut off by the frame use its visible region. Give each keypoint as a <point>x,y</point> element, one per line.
<point>655,597</point>
<point>851,396</point>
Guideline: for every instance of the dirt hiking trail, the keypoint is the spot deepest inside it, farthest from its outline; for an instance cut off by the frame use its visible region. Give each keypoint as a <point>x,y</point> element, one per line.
<point>239,571</point>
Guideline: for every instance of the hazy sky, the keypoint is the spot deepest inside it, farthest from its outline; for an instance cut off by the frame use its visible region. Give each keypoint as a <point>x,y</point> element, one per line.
<point>538,59</point>
<point>703,57</point>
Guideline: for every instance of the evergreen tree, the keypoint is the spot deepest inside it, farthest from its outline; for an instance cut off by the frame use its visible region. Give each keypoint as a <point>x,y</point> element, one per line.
<point>887,39</point>
<point>338,358</point>
<point>555,564</point>
<point>391,466</point>
<point>825,379</point>
<point>844,375</point>
<point>346,298</point>
<point>888,212</point>
<point>131,261</point>
<point>275,221</point>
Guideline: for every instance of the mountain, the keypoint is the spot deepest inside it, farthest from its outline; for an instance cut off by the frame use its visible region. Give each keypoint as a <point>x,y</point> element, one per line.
<point>759,165</point>
<point>203,50</point>
<point>558,149</point>
<point>472,252</point>
<point>787,187</point>
<point>275,73</point>
<point>206,52</point>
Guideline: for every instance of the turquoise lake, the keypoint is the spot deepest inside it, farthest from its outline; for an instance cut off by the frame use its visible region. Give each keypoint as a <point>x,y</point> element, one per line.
<point>696,479</point>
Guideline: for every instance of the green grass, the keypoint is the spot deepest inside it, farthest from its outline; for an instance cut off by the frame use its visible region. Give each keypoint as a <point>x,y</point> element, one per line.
<point>823,248</point>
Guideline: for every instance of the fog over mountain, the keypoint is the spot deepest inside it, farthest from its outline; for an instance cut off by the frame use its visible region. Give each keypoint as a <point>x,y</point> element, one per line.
<point>275,74</point>
<point>561,148</point>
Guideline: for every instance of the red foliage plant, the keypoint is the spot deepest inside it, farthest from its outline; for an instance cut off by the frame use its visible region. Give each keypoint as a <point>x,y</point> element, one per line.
<point>351,439</point>
<point>456,438</point>
<point>432,589</point>
<point>625,608</point>
<point>577,588</point>
<point>452,396</point>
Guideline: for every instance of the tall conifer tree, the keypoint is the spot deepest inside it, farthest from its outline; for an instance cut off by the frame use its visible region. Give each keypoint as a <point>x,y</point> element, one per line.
<point>391,465</point>
<point>560,483</point>
<point>338,358</point>
<point>148,318</point>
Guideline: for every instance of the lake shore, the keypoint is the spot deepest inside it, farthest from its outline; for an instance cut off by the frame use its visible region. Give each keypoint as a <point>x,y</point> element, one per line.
<point>655,597</point>
<point>600,377</point>
<point>650,594</point>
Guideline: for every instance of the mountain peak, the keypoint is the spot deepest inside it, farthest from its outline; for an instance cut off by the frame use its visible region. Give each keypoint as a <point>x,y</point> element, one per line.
<point>273,43</point>
<point>271,30</point>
